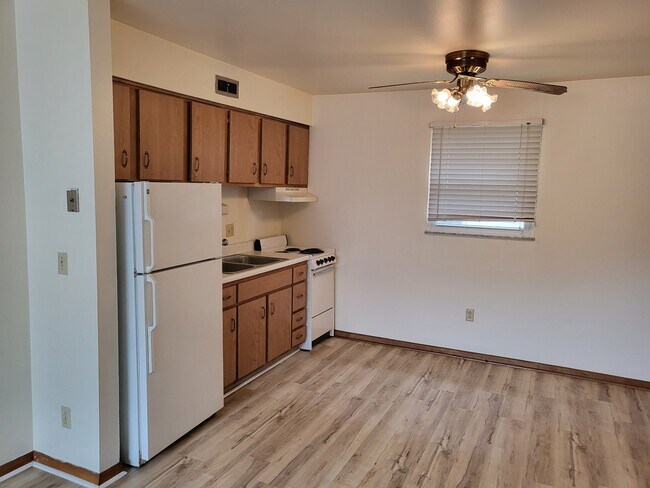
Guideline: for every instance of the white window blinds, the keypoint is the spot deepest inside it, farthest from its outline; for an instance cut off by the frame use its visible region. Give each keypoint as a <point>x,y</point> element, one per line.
<point>484,172</point>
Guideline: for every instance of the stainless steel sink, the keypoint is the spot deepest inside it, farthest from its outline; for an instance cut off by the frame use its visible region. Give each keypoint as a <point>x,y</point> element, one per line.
<point>252,260</point>
<point>228,267</point>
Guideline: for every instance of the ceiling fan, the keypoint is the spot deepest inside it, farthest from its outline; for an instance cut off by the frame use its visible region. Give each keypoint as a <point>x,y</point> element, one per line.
<point>466,65</point>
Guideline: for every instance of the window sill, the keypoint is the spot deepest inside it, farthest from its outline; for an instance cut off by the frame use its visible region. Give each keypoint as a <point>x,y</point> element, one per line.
<point>514,235</point>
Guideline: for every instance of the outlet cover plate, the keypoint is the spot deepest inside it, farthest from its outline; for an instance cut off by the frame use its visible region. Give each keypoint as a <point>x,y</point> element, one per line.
<point>62,260</point>
<point>469,315</point>
<point>66,417</point>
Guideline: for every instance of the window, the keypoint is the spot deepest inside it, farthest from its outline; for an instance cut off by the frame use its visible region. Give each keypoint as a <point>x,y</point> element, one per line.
<point>483,179</point>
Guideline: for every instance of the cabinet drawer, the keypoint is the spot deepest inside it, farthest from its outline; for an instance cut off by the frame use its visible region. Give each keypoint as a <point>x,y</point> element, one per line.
<point>299,296</point>
<point>229,296</point>
<point>264,285</point>
<point>299,273</point>
<point>298,336</point>
<point>299,319</point>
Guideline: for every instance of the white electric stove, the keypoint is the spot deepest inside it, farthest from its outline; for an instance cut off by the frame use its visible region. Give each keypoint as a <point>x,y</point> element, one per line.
<point>320,285</point>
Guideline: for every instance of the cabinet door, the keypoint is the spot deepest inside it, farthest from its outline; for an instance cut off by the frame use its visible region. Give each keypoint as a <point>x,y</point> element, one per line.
<point>251,336</point>
<point>125,130</point>
<point>274,152</point>
<point>243,160</point>
<point>298,155</point>
<point>229,346</point>
<point>163,137</point>
<point>209,143</point>
<point>279,323</point>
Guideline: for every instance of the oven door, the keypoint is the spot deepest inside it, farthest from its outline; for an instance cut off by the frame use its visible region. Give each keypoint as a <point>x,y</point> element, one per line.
<point>321,291</point>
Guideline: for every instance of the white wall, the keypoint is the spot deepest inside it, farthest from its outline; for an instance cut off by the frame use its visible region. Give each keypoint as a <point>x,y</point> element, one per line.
<point>577,296</point>
<point>65,102</point>
<point>15,379</point>
<point>142,57</point>
<point>252,219</point>
<point>104,172</point>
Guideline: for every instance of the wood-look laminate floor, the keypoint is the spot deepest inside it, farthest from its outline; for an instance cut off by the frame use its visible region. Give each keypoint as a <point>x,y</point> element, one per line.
<point>352,414</point>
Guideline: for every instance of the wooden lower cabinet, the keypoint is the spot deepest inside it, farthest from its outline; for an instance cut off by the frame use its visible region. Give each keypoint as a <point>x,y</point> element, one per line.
<point>229,346</point>
<point>279,323</point>
<point>251,336</point>
<point>263,319</point>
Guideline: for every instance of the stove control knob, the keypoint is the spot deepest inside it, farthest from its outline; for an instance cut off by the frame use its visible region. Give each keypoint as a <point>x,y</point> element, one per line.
<point>319,262</point>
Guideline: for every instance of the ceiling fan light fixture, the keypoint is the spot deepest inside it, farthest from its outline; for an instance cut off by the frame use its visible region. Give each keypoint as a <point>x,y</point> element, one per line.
<point>440,97</point>
<point>478,96</point>
<point>453,103</point>
<point>488,100</point>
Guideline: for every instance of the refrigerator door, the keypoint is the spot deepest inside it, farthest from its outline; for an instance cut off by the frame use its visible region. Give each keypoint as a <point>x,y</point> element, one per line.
<point>175,224</point>
<point>180,360</point>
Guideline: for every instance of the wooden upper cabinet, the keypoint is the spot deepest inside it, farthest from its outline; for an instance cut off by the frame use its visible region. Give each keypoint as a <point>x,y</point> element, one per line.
<point>274,152</point>
<point>244,155</point>
<point>298,155</point>
<point>229,346</point>
<point>163,137</point>
<point>279,323</point>
<point>125,130</point>
<point>209,143</point>
<point>251,337</point>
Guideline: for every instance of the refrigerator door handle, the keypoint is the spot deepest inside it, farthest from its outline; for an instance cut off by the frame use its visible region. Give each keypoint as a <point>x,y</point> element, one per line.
<point>150,221</point>
<point>154,324</point>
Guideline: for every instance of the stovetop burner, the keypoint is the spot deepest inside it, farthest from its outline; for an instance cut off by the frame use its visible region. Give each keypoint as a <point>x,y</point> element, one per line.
<point>312,250</point>
<point>291,249</point>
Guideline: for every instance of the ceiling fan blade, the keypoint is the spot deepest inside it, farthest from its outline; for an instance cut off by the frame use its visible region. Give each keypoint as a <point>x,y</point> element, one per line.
<point>526,85</point>
<point>438,82</point>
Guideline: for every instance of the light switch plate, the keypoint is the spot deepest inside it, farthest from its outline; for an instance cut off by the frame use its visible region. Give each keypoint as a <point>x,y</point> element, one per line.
<point>230,230</point>
<point>72,196</point>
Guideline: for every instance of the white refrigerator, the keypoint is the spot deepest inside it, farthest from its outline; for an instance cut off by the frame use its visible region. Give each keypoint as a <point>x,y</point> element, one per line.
<point>170,320</point>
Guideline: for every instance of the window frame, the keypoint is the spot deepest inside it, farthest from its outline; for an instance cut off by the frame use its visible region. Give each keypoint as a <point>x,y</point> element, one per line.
<point>456,227</point>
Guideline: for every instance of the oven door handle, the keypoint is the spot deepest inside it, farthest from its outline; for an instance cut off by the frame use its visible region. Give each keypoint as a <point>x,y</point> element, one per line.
<point>323,270</point>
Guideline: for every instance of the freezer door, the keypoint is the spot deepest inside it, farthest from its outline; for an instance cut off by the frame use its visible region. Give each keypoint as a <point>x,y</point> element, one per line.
<point>181,358</point>
<point>175,224</point>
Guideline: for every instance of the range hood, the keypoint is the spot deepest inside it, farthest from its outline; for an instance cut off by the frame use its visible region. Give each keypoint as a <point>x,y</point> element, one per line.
<point>286,194</point>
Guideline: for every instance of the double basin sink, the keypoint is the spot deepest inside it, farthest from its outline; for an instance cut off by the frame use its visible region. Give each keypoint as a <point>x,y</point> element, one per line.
<point>243,262</point>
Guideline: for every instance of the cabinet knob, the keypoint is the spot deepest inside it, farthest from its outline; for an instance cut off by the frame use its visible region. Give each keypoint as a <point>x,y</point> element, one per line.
<point>254,168</point>
<point>233,325</point>
<point>146,159</point>
<point>125,158</point>
<point>227,297</point>
<point>291,171</point>
<point>272,308</point>
<point>300,296</point>
<point>266,169</point>
<point>197,163</point>
<point>299,336</point>
<point>298,319</point>
<point>263,312</point>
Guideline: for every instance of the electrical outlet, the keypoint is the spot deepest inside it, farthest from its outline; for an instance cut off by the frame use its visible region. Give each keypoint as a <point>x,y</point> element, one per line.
<point>66,417</point>
<point>63,263</point>
<point>469,315</point>
<point>230,230</point>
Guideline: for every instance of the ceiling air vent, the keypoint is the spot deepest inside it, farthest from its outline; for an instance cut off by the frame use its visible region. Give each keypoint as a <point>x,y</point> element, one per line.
<point>226,86</point>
